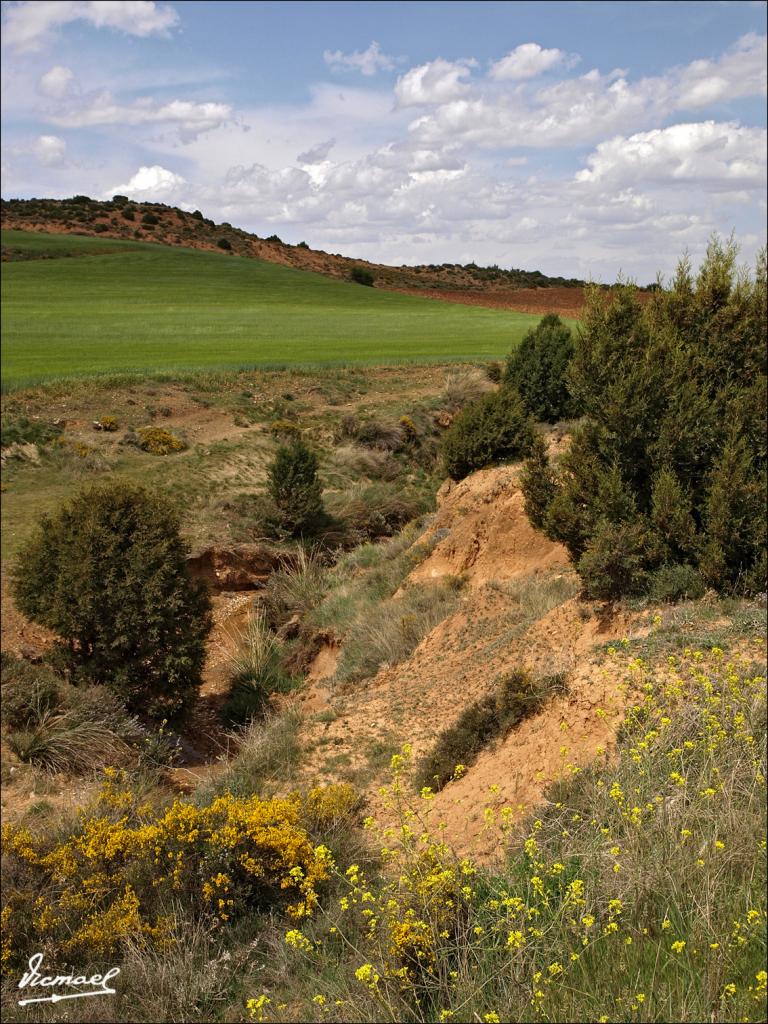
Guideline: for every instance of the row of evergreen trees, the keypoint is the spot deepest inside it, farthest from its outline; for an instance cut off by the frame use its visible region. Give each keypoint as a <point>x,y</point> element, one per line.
<point>668,468</point>
<point>664,484</point>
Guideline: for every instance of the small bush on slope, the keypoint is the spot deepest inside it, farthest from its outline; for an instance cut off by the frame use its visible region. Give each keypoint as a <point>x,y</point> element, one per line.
<point>538,482</point>
<point>492,718</point>
<point>108,574</point>
<point>157,441</point>
<point>295,491</point>
<point>24,431</point>
<point>538,369</point>
<point>494,429</point>
<point>670,465</point>
<point>361,275</point>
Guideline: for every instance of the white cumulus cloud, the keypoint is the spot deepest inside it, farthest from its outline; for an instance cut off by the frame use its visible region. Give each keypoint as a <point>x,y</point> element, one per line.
<point>57,82</point>
<point>49,149</point>
<point>436,82</point>
<point>316,154</point>
<point>588,108</point>
<point>29,25</point>
<point>741,71</point>
<point>718,156</point>
<point>149,183</point>
<point>525,61</point>
<point>367,62</point>
<point>190,118</point>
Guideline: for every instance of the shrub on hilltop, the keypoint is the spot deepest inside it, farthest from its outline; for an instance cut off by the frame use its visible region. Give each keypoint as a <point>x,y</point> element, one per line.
<point>361,276</point>
<point>669,467</point>
<point>108,574</point>
<point>494,429</point>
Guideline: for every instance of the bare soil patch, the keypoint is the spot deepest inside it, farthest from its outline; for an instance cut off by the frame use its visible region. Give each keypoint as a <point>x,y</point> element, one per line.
<point>563,301</point>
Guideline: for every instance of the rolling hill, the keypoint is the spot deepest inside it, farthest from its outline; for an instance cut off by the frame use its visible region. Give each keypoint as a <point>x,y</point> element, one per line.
<point>75,304</point>
<point>157,222</point>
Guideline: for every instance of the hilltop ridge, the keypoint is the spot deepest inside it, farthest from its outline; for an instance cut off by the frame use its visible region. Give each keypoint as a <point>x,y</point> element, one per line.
<point>120,217</point>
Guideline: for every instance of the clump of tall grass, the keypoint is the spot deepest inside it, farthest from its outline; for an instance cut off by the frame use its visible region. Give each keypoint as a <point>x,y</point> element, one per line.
<point>371,511</point>
<point>267,755</point>
<point>388,636</point>
<point>350,462</point>
<point>256,670</point>
<point>58,727</point>
<point>463,386</point>
<point>382,435</point>
<point>296,588</point>
<point>357,606</point>
<point>58,742</point>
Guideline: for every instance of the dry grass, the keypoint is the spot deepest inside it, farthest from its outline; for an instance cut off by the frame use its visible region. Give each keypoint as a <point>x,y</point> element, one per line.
<point>59,742</point>
<point>389,635</point>
<point>351,462</point>
<point>297,588</point>
<point>463,386</point>
<point>256,669</point>
<point>268,753</point>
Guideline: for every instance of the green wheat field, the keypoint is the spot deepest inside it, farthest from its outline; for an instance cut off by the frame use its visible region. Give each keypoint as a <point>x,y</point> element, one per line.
<point>78,306</point>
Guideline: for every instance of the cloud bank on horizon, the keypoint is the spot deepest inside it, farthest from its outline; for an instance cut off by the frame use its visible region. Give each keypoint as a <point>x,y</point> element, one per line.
<point>486,144</point>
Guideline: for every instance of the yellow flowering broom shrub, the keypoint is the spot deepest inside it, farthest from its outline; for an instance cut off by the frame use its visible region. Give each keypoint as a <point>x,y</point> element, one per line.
<point>158,441</point>
<point>121,872</point>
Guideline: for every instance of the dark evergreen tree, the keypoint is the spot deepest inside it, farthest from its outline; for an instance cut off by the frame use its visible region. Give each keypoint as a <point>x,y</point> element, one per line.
<point>538,370</point>
<point>295,490</point>
<point>108,574</point>
<point>674,439</point>
<point>496,428</point>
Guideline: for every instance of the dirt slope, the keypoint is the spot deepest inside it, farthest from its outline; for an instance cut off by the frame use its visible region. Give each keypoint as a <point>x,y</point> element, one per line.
<point>519,608</point>
<point>486,533</point>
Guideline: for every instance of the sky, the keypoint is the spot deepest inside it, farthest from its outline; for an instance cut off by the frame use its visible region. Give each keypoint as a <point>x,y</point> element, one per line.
<point>583,139</point>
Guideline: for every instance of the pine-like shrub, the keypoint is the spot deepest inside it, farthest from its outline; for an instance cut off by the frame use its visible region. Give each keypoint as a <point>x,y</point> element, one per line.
<point>494,429</point>
<point>295,490</point>
<point>669,467</point>
<point>538,482</point>
<point>108,574</point>
<point>538,370</point>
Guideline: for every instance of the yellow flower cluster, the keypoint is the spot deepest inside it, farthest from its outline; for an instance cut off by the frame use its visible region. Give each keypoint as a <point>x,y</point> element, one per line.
<point>109,879</point>
<point>569,907</point>
<point>158,441</point>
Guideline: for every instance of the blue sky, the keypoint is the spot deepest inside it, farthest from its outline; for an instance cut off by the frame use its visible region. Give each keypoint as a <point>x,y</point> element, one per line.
<point>576,138</point>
